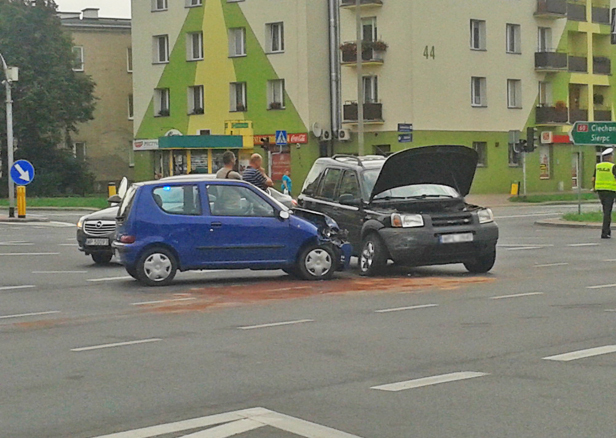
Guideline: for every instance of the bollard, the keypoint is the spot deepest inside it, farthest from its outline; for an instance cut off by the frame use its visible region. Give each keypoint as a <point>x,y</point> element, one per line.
<point>515,188</point>
<point>21,201</point>
<point>111,188</point>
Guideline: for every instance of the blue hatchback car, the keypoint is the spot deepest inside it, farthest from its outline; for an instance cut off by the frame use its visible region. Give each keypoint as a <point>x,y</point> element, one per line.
<point>193,224</point>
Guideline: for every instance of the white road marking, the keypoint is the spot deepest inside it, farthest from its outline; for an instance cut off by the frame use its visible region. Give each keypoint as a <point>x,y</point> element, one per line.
<point>67,244</point>
<point>502,297</point>
<point>601,286</point>
<point>610,260</point>
<point>574,245</point>
<point>59,272</point>
<point>28,253</point>
<point>526,215</point>
<point>522,248</point>
<point>582,354</point>
<point>513,245</point>
<point>396,309</point>
<point>117,344</point>
<point>23,315</point>
<point>275,324</point>
<point>27,286</point>
<point>111,278</point>
<point>549,265</point>
<point>143,303</point>
<point>237,422</point>
<point>62,224</point>
<point>16,244</point>
<point>427,381</point>
<point>610,310</point>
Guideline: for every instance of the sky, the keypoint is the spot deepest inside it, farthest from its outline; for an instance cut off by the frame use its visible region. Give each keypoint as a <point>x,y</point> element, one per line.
<point>108,8</point>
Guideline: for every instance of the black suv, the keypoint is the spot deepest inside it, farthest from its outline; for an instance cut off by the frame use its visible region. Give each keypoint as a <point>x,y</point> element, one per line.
<point>408,207</point>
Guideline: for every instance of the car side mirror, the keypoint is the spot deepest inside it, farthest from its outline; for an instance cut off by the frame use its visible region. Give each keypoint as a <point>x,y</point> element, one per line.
<point>283,214</point>
<point>115,199</point>
<point>348,199</point>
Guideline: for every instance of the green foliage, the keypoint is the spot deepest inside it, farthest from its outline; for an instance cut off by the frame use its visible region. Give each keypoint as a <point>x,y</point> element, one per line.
<point>49,100</point>
<point>591,216</point>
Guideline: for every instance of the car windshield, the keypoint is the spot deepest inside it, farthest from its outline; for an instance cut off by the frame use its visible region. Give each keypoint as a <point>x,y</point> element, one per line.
<point>415,191</point>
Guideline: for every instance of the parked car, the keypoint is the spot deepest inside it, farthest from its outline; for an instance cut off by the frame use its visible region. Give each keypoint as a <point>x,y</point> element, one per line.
<point>202,223</point>
<point>96,231</point>
<point>408,207</point>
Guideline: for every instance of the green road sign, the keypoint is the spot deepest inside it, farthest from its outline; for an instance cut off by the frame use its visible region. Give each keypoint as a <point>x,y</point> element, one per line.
<point>594,133</point>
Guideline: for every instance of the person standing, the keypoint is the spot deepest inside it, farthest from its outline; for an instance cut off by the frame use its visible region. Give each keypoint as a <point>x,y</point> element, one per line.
<point>228,169</point>
<point>287,184</point>
<point>255,174</point>
<point>604,183</point>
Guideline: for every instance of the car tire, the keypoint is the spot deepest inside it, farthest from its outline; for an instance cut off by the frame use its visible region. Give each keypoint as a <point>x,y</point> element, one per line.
<point>132,272</point>
<point>291,271</point>
<point>156,267</point>
<point>481,264</point>
<point>373,257</point>
<point>316,263</point>
<point>101,258</point>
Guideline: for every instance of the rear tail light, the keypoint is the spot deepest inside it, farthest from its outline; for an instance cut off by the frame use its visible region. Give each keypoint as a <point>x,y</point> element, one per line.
<point>127,239</point>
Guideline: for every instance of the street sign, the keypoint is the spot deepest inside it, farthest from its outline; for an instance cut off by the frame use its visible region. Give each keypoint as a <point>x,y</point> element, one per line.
<point>405,138</point>
<point>593,133</point>
<point>281,138</point>
<point>22,172</point>
<point>405,127</point>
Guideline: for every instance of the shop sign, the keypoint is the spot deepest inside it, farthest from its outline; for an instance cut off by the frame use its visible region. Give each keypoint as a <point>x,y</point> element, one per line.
<point>271,139</point>
<point>145,145</point>
<point>544,162</point>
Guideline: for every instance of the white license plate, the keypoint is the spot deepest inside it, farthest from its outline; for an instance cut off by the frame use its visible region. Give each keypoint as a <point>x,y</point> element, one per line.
<point>456,238</point>
<point>97,242</point>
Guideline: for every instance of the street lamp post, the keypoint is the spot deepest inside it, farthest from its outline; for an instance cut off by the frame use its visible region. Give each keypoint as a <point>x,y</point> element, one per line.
<point>9,76</point>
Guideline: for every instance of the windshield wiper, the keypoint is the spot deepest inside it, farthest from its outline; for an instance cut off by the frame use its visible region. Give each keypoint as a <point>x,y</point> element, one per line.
<point>424,196</point>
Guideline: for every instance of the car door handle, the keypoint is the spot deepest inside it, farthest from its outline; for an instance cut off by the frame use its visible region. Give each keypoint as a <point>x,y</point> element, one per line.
<point>216,224</point>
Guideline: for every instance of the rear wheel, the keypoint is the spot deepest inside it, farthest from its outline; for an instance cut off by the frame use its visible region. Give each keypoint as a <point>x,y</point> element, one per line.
<point>316,263</point>
<point>101,258</point>
<point>481,264</point>
<point>373,256</point>
<point>156,267</point>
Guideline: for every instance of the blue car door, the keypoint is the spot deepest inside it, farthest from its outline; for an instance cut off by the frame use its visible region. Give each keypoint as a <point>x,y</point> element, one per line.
<point>243,229</point>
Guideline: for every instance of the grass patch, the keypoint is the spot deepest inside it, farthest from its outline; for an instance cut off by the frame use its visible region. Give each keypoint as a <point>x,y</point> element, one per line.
<point>66,202</point>
<point>591,216</point>
<point>556,197</point>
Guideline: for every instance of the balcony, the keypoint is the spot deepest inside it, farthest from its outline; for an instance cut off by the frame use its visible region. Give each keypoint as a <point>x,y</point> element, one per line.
<point>372,52</point>
<point>550,61</point>
<point>601,65</point>
<point>578,64</point>
<point>551,9</point>
<point>549,115</point>
<point>601,15</point>
<point>578,115</point>
<point>576,11</point>
<point>373,112</point>
<point>362,3</point>
<point>603,115</point>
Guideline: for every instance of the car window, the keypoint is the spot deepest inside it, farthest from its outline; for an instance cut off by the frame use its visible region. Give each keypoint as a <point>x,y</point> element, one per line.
<point>329,184</point>
<point>238,201</point>
<point>178,199</point>
<point>349,185</point>
<point>312,180</point>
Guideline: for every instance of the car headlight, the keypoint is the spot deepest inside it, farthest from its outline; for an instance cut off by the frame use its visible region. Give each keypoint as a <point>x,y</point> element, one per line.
<point>485,216</point>
<point>80,222</point>
<point>406,220</point>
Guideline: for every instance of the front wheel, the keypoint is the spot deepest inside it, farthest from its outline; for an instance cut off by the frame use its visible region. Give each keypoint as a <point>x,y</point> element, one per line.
<point>373,257</point>
<point>101,258</point>
<point>156,267</point>
<point>316,263</point>
<point>481,264</point>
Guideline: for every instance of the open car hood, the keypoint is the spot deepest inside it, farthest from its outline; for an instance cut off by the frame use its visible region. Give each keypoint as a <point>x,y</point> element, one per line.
<point>448,165</point>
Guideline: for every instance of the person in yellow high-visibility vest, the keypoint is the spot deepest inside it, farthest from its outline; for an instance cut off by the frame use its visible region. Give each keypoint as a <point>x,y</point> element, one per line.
<point>604,183</point>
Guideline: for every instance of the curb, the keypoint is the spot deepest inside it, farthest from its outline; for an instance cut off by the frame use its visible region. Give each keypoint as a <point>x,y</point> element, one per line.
<point>25,219</point>
<point>567,224</point>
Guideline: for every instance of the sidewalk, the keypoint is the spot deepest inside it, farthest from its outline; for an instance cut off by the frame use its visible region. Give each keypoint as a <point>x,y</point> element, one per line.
<point>492,200</point>
<point>4,217</point>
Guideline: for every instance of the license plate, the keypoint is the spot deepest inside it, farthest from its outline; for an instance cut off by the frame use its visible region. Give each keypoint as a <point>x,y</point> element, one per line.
<point>456,238</point>
<point>97,242</point>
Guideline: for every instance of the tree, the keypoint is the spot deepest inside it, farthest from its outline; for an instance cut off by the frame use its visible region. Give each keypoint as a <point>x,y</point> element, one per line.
<point>49,100</point>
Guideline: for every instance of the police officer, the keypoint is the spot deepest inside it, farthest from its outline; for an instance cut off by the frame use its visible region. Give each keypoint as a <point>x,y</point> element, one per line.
<point>604,183</point>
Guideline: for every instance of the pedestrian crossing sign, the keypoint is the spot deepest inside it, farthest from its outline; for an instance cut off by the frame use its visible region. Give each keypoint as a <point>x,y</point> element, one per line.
<point>281,138</point>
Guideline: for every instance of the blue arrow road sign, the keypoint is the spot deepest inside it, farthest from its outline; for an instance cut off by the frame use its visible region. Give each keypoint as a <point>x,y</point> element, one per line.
<point>22,172</point>
<point>281,138</point>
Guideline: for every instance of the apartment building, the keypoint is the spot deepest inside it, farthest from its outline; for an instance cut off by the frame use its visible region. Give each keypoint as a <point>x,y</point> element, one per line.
<point>102,49</point>
<point>229,74</point>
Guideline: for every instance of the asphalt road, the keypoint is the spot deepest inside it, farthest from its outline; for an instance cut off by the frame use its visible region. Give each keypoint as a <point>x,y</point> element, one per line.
<point>528,350</point>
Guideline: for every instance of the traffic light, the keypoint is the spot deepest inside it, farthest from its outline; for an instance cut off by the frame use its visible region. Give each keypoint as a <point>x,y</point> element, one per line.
<point>530,140</point>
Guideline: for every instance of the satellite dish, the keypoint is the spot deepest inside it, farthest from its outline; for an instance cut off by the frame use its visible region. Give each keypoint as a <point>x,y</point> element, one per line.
<point>316,129</point>
<point>172,132</point>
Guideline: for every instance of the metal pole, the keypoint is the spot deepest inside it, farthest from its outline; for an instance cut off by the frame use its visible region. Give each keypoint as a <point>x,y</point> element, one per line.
<point>9,137</point>
<point>524,173</point>
<point>360,80</point>
<point>579,179</point>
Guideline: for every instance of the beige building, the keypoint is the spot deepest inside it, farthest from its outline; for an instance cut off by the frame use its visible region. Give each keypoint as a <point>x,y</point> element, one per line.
<point>102,49</point>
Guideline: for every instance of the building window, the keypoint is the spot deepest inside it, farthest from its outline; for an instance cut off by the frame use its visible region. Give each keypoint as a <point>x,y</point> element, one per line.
<point>159,5</point>
<point>195,99</point>
<point>513,38</point>
<point>129,59</point>
<point>544,39</point>
<point>194,46</point>
<point>275,93</point>
<point>237,95</point>
<point>79,150</point>
<point>368,29</point>
<point>514,155</point>
<point>78,58</point>
<point>237,41</point>
<point>131,110</point>
<point>161,102</point>
<point>478,35</point>
<point>545,94</point>
<point>275,35</point>
<point>160,47</point>
<point>482,150</point>
<point>193,3</point>
<point>478,92</point>
<point>514,93</point>
<point>371,89</point>
<point>131,154</point>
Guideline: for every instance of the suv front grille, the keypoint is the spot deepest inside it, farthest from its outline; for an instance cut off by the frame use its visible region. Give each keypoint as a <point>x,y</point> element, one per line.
<point>452,220</point>
<point>99,228</point>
